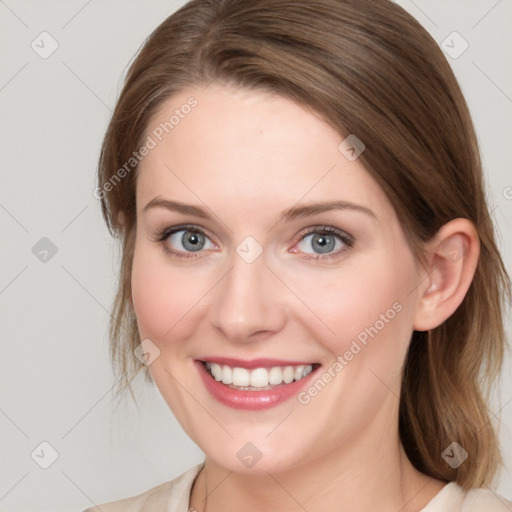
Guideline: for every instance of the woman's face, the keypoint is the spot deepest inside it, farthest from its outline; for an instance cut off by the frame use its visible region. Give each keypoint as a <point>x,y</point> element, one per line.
<point>251,279</point>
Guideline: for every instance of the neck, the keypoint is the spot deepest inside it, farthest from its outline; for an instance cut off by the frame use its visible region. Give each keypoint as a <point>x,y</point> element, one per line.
<point>362,477</point>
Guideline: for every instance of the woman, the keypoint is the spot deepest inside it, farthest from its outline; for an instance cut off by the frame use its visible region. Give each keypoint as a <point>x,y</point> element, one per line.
<point>309,272</point>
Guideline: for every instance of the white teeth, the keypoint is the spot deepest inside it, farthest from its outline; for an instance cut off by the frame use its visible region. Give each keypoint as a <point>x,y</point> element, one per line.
<point>216,371</point>
<point>288,374</point>
<point>259,377</point>
<point>275,376</point>
<point>227,375</point>
<point>241,377</point>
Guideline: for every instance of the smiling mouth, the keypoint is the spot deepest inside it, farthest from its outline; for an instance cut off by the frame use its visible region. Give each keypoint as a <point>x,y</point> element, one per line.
<point>257,379</point>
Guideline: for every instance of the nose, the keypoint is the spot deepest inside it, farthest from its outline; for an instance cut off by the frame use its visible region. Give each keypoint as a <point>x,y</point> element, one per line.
<point>249,303</point>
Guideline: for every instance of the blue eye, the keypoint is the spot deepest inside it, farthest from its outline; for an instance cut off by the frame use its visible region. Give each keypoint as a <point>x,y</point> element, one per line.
<point>190,238</point>
<point>326,241</point>
<point>322,243</point>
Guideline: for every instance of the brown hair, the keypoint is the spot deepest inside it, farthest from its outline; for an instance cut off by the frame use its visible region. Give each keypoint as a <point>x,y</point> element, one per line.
<point>368,68</point>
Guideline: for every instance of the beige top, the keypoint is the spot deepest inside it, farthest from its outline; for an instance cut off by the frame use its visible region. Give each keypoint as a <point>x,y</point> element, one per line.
<point>174,496</point>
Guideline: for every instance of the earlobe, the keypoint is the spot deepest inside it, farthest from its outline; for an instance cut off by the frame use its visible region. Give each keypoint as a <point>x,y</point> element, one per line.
<point>120,217</point>
<point>452,257</point>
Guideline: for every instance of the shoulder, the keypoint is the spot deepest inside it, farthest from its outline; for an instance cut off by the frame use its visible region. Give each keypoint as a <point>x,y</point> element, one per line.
<point>452,498</point>
<point>486,500</point>
<point>159,498</point>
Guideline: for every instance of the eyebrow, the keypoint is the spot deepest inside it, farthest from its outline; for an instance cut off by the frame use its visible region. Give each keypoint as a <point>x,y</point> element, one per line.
<point>294,212</point>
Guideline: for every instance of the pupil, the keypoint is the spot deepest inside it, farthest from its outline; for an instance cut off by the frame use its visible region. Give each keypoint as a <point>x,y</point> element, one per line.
<point>326,242</point>
<point>192,240</point>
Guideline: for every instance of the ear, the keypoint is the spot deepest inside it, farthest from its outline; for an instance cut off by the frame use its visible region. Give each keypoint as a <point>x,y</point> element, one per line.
<point>452,257</point>
<point>121,217</point>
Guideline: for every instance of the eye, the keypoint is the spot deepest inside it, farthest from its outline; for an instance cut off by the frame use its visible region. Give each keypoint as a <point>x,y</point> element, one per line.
<point>183,241</point>
<point>187,241</point>
<point>325,242</point>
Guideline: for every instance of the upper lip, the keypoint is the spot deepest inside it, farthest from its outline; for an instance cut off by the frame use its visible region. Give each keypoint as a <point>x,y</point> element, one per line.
<point>250,364</point>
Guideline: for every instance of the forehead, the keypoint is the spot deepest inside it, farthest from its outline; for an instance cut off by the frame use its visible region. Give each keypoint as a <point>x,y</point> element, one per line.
<point>246,148</point>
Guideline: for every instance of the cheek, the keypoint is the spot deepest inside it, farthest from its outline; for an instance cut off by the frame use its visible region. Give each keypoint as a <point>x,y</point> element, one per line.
<point>364,303</point>
<point>164,298</point>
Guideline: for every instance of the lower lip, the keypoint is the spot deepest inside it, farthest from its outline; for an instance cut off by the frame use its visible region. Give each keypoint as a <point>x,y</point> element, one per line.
<point>250,400</point>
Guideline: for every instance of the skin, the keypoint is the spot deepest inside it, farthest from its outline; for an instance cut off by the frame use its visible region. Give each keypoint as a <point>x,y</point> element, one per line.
<point>245,156</point>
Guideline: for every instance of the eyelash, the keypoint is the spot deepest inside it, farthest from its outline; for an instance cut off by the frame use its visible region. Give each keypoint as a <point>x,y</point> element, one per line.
<point>347,240</point>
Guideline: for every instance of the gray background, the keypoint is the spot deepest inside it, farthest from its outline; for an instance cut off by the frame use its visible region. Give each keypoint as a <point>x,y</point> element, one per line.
<point>55,374</point>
